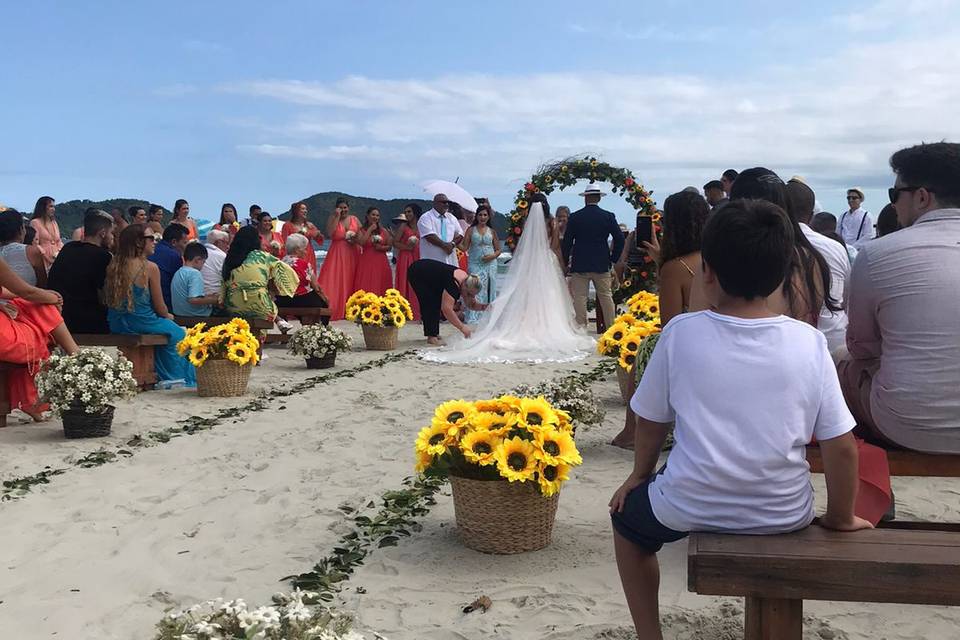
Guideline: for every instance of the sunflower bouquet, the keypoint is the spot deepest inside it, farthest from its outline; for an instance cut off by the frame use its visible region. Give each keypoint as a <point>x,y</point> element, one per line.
<point>388,310</point>
<point>622,340</point>
<point>232,341</point>
<point>506,438</point>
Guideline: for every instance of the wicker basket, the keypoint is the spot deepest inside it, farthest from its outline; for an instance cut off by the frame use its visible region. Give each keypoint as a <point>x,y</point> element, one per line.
<point>496,516</point>
<point>77,423</point>
<point>623,379</point>
<point>222,378</point>
<point>380,338</point>
<point>328,360</point>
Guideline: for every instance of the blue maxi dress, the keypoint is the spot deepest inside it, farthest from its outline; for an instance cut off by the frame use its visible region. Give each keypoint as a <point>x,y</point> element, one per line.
<point>143,319</point>
<point>481,245</point>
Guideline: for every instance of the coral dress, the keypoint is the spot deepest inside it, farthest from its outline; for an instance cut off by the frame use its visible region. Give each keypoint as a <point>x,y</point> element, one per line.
<point>339,268</point>
<point>404,260</point>
<point>48,240</point>
<point>228,228</point>
<point>311,232</point>
<point>24,341</point>
<point>373,267</point>
<point>277,250</point>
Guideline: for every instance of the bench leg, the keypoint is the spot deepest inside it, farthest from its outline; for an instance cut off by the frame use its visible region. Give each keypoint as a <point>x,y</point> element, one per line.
<point>144,371</point>
<point>773,619</point>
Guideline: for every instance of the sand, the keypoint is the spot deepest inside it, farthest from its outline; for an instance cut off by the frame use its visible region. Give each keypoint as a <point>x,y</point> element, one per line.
<point>104,552</point>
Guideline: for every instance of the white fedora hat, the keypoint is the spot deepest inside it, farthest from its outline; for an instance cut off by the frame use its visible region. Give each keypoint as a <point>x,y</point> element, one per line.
<point>592,190</point>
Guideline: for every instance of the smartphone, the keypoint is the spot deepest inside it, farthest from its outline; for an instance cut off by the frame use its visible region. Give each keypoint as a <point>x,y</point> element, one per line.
<point>644,230</point>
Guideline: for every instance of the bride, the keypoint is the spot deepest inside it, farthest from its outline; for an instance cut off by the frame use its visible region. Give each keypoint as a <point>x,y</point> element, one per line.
<point>532,318</point>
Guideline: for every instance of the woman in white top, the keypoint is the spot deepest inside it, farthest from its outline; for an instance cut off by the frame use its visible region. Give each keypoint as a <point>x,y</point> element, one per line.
<point>25,261</point>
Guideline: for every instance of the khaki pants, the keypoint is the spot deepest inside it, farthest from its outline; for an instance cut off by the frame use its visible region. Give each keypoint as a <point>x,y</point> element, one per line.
<point>856,379</point>
<point>580,288</point>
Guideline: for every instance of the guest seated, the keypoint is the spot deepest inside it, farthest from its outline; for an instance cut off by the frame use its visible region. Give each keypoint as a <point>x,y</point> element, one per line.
<point>902,375</point>
<point>217,244</point>
<point>186,288</point>
<point>718,376</point>
<point>25,259</point>
<point>135,302</point>
<point>250,276</point>
<point>29,320</point>
<point>79,272</point>
<point>308,293</point>
<point>168,256</point>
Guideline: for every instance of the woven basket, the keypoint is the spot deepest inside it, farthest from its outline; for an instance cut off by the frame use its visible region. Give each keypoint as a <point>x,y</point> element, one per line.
<point>380,338</point>
<point>222,378</point>
<point>623,379</point>
<point>77,423</point>
<point>328,360</point>
<point>496,516</point>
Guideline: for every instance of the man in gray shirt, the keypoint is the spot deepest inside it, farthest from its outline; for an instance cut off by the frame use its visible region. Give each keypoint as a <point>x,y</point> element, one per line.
<point>902,377</point>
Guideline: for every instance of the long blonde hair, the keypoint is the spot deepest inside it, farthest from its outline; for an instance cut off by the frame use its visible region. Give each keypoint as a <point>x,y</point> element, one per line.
<point>118,288</point>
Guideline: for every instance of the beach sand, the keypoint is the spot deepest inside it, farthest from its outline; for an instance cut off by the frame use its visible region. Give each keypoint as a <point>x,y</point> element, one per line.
<point>104,552</point>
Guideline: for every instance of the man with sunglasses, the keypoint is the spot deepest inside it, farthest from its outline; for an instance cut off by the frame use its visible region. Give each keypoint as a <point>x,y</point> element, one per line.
<point>902,377</point>
<point>856,224</point>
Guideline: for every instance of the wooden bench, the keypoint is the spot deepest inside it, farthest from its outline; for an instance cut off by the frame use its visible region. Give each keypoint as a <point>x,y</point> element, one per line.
<point>137,348</point>
<point>306,315</point>
<point>6,367</point>
<point>775,574</point>
<point>214,321</point>
<point>904,463</point>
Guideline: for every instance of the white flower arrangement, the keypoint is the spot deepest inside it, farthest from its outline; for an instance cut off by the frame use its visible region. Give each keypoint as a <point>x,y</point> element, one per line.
<point>377,239</point>
<point>567,394</point>
<point>88,380</point>
<point>317,340</point>
<point>295,616</point>
<point>350,235</point>
<point>274,245</point>
<point>412,240</point>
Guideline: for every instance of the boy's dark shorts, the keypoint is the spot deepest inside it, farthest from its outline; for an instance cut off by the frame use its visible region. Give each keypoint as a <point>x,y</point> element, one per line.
<point>637,523</point>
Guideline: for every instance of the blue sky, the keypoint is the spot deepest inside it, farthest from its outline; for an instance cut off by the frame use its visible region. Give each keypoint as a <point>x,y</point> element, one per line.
<point>269,102</point>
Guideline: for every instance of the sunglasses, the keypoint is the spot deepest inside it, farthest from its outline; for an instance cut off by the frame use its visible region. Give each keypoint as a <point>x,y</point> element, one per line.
<point>894,192</point>
<point>853,198</point>
<point>153,238</point>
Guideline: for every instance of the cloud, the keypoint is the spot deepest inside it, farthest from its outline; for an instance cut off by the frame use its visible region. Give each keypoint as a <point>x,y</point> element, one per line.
<point>887,14</point>
<point>837,117</point>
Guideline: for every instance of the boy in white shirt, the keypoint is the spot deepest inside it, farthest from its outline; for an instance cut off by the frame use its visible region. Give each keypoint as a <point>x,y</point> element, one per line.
<point>747,389</point>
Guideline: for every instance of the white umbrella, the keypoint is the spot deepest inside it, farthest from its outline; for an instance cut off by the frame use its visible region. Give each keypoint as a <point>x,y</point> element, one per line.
<point>453,191</point>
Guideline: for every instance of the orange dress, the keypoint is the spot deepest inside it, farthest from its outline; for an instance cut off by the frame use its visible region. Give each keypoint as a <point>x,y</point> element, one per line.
<point>48,240</point>
<point>339,268</point>
<point>190,225</point>
<point>313,234</point>
<point>265,245</point>
<point>404,260</point>
<point>373,267</point>
<point>24,340</point>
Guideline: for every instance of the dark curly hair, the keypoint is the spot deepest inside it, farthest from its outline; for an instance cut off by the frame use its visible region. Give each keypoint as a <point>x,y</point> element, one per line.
<point>684,216</point>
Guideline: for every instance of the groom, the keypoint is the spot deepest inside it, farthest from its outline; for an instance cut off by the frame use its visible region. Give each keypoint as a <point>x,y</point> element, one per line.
<point>589,254</point>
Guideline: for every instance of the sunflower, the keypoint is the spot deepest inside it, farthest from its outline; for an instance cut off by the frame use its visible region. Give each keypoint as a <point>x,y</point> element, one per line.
<point>653,309</point>
<point>198,356</point>
<point>376,317</point>
<point>511,403</point>
<point>367,315</point>
<point>424,460</point>
<point>240,324</point>
<point>550,477</point>
<point>537,412</point>
<point>196,329</point>
<point>627,318</point>
<point>631,343</point>
<point>554,447</point>
<point>433,440</point>
<point>480,447</point>
<point>565,423</point>
<point>494,405</point>
<point>185,346</point>
<point>352,312</point>
<point>239,352</point>
<point>617,331</point>
<point>516,460</point>
<point>495,422</point>
<point>627,359</point>
<point>454,412</point>
<point>393,293</point>
<point>398,319</point>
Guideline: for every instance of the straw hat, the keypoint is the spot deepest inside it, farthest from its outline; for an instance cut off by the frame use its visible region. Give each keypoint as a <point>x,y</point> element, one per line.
<point>592,190</point>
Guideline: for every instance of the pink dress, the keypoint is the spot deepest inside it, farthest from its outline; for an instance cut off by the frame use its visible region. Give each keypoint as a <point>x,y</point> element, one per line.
<point>24,341</point>
<point>373,267</point>
<point>308,230</point>
<point>404,260</point>
<point>48,240</point>
<point>340,268</point>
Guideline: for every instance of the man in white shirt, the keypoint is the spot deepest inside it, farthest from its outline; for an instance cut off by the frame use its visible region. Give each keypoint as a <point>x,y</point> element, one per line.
<point>856,224</point>
<point>439,233</point>
<point>217,244</point>
<point>833,324</point>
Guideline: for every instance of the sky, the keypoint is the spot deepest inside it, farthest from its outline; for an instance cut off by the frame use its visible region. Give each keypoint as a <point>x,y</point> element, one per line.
<point>247,102</point>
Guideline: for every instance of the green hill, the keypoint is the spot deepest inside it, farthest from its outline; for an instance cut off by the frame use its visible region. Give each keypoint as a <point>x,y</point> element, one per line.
<point>70,213</point>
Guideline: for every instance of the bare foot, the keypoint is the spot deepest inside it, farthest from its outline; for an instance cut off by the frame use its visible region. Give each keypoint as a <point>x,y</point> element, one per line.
<point>623,441</point>
<point>35,413</point>
<point>434,341</point>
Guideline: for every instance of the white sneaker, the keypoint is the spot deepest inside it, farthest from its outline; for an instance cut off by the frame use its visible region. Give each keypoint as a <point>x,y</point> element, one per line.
<point>283,325</point>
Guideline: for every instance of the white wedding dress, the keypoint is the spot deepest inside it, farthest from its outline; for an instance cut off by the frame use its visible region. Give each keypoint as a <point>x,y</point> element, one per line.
<point>532,318</point>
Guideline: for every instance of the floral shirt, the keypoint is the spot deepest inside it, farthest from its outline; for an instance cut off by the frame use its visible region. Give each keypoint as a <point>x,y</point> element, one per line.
<point>246,292</point>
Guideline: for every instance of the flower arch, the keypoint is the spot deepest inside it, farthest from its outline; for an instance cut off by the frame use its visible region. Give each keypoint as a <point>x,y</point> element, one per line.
<point>566,173</point>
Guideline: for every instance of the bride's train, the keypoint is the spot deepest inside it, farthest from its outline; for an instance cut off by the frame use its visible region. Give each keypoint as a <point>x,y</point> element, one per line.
<point>532,319</point>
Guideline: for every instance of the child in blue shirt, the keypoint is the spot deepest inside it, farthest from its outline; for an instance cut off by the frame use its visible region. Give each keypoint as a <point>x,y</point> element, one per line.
<point>186,288</point>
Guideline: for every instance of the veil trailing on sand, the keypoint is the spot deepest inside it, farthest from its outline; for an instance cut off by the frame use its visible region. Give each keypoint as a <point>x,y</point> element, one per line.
<point>532,318</point>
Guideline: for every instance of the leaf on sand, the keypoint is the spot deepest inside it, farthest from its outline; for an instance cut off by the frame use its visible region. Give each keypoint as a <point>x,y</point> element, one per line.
<point>481,604</point>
